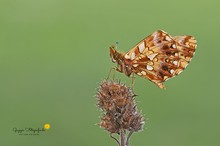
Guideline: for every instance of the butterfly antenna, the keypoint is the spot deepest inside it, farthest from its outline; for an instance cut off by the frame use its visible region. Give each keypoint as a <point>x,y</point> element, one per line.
<point>116,45</point>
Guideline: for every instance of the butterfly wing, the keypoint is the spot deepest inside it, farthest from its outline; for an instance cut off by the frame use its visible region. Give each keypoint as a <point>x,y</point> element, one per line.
<point>160,57</point>
<point>186,46</point>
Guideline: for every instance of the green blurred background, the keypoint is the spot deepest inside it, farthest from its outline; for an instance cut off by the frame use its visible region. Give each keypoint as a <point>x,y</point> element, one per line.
<point>53,54</point>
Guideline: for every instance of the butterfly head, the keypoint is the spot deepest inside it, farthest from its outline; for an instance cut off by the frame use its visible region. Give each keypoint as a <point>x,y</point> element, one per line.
<point>118,57</point>
<point>115,55</point>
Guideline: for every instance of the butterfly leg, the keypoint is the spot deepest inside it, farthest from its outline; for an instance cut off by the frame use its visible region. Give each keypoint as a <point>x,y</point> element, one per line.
<point>132,81</point>
<point>113,77</point>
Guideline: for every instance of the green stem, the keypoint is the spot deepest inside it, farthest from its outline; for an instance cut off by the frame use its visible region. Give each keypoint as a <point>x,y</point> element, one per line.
<point>128,137</point>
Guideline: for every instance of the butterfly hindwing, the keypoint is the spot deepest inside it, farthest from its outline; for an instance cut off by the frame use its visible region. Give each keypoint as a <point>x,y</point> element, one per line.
<point>160,57</point>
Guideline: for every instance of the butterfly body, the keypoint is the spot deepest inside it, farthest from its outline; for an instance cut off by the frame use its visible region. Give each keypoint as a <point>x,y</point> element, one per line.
<point>158,57</point>
<point>124,66</point>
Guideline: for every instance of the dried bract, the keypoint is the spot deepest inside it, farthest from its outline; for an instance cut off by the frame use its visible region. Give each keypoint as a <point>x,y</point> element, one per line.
<point>120,113</point>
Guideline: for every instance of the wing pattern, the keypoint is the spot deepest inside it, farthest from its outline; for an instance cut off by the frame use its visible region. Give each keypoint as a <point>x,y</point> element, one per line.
<point>160,57</point>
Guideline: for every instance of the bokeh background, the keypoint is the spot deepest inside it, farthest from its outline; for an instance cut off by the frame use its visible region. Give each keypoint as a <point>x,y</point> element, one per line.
<point>53,54</point>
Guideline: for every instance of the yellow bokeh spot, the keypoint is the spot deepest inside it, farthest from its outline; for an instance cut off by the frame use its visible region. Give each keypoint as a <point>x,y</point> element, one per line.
<point>46,126</point>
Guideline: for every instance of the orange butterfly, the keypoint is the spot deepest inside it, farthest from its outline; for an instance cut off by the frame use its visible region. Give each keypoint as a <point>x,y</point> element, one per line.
<point>158,57</point>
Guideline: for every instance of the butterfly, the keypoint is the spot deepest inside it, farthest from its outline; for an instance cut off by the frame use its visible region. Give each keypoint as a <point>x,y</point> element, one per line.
<point>158,57</point>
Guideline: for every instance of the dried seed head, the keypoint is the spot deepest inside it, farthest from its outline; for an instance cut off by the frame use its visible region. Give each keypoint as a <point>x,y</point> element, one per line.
<point>119,108</point>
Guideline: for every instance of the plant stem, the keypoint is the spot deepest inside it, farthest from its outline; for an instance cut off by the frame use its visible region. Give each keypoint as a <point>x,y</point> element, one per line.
<point>122,138</point>
<point>115,139</point>
<point>128,138</point>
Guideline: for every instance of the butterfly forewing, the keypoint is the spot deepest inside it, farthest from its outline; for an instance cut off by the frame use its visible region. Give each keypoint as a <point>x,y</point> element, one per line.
<point>160,57</point>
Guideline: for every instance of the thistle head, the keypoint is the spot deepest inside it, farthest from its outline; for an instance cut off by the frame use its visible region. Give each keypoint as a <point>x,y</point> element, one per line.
<point>117,102</point>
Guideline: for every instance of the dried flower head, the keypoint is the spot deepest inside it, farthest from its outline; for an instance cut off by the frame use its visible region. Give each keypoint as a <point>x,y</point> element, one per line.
<point>120,113</point>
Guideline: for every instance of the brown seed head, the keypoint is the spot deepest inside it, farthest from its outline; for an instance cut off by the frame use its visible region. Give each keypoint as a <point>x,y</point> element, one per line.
<point>119,108</point>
